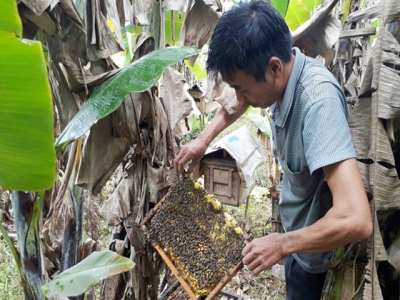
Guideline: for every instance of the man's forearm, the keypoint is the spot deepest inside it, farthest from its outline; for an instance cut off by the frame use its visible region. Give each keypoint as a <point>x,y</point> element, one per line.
<point>327,234</point>
<point>349,218</point>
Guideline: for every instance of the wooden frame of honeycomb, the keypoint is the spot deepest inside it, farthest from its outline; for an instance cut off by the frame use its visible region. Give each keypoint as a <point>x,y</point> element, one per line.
<point>196,238</point>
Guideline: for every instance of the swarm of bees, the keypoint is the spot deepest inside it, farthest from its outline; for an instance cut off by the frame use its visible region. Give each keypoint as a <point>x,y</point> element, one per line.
<point>201,239</point>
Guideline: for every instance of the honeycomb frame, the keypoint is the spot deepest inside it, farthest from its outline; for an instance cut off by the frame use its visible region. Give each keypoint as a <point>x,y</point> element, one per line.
<point>190,230</point>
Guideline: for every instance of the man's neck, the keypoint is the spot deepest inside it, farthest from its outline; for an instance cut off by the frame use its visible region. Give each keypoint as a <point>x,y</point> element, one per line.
<point>287,71</point>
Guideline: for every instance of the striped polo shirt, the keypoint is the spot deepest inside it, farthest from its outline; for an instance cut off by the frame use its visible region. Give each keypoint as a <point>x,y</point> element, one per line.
<point>310,131</point>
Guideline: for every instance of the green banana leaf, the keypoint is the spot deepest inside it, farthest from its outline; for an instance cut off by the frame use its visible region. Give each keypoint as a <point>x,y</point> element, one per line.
<point>281,6</point>
<point>263,123</point>
<point>27,154</point>
<point>300,11</point>
<point>345,9</point>
<point>86,274</point>
<point>138,77</point>
<point>178,23</point>
<point>10,21</point>
<point>199,73</point>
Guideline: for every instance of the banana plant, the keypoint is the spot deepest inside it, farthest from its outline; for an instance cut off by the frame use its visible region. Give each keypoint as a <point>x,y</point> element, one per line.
<point>84,275</point>
<point>27,158</point>
<point>138,77</point>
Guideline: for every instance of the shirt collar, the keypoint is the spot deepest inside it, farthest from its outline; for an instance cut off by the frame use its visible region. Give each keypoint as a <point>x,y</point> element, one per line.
<point>287,101</point>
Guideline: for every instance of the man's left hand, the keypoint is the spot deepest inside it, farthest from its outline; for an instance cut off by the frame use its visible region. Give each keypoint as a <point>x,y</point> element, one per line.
<point>262,253</point>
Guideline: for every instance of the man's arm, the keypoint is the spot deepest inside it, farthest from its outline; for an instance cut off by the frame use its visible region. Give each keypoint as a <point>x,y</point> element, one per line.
<point>194,151</point>
<point>348,220</point>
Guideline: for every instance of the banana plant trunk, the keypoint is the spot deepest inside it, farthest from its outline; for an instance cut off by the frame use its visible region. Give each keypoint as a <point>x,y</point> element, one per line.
<point>72,241</point>
<point>27,211</point>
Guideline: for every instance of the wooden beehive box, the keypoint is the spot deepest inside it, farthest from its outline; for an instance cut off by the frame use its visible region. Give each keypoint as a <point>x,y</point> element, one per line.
<point>204,106</point>
<point>207,107</point>
<point>266,144</point>
<point>221,178</point>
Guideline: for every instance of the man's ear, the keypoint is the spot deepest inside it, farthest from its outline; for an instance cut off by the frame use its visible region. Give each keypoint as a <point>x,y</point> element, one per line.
<point>275,65</point>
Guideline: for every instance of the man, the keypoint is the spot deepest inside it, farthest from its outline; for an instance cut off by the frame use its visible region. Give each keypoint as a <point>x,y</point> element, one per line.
<point>251,49</point>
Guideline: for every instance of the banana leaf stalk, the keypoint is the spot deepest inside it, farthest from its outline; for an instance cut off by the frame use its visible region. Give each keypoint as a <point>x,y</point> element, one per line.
<point>72,242</point>
<point>27,211</point>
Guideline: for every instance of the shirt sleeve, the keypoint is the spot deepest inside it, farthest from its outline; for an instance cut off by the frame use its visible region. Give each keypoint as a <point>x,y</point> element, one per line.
<point>326,134</point>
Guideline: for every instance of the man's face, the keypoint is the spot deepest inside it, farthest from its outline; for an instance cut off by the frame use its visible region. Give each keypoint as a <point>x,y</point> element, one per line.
<point>258,93</point>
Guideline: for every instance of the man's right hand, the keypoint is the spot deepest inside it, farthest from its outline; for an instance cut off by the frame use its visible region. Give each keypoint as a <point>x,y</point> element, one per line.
<point>190,153</point>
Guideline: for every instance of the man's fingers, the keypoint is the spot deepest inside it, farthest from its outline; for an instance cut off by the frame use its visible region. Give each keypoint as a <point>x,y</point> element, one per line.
<point>252,262</point>
<point>181,167</point>
<point>185,160</point>
<point>254,266</point>
<point>189,156</point>
<point>176,161</point>
<point>180,161</point>
<point>257,265</point>
<point>193,164</point>
<point>176,165</point>
<point>247,249</point>
<point>258,270</point>
<point>248,256</point>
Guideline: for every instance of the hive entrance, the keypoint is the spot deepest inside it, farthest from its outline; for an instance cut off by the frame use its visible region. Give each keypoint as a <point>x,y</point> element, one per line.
<point>196,237</point>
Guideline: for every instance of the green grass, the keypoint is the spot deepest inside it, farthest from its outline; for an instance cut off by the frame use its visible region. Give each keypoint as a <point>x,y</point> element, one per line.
<point>10,282</point>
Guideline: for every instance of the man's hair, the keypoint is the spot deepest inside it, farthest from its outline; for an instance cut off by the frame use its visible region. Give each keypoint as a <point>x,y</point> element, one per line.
<point>245,39</point>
